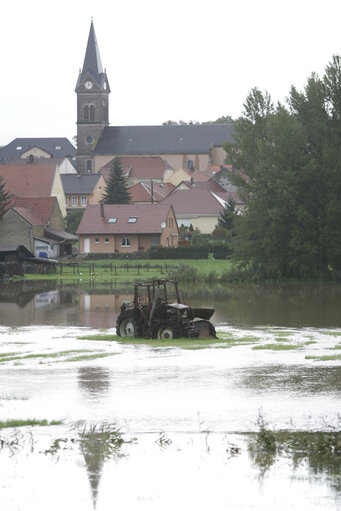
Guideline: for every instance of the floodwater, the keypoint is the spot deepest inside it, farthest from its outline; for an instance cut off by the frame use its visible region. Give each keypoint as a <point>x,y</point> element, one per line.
<point>182,422</point>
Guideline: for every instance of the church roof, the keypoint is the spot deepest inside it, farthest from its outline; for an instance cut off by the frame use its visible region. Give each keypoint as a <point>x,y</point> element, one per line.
<point>56,147</point>
<point>167,139</point>
<point>92,60</point>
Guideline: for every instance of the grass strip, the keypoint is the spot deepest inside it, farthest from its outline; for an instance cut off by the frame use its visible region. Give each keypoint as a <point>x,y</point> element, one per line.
<point>323,358</point>
<point>17,423</point>
<point>277,347</point>
<point>43,355</point>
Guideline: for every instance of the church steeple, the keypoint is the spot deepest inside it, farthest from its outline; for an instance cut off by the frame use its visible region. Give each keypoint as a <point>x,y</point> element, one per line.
<point>92,90</point>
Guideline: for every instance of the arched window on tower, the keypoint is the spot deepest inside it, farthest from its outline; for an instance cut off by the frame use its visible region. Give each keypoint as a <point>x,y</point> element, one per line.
<point>86,113</point>
<point>92,113</point>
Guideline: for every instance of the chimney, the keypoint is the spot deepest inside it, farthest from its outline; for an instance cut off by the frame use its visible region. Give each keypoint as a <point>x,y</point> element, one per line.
<point>102,209</point>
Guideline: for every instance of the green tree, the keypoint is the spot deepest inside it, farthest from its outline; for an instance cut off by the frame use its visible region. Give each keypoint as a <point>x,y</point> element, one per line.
<point>116,190</point>
<point>72,220</point>
<point>4,196</point>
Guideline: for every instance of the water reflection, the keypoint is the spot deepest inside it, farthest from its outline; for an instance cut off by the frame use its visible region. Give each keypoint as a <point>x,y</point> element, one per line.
<point>290,305</point>
<point>319,453</point>
<point>293,378</point>
<point>93,381</point>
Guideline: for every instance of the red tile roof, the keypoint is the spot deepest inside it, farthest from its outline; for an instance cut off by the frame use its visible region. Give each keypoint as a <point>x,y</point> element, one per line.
<point>139,167</point>
<point>149,219</point>
<point>29,179</point>
<point>194,202</point>
<point>41,208</point>
<point>141,192</point>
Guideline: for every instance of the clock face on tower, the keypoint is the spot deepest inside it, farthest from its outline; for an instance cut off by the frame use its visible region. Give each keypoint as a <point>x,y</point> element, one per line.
<point>88,85</point>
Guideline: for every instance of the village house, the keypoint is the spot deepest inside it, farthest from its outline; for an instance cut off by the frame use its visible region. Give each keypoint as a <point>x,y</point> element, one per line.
<point>38,148</point>
<point>82,189</point>
<point>113,228</point>
<point>34,178</point>
<point>199,207</point>
<point>38,224</point>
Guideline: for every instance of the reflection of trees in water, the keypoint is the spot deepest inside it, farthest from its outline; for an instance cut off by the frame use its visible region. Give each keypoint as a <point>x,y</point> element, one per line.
<point>308,380</point>
<point>264,304</point>
<point>98,444</point>
<point>319,451</point>
<point>93,380</point>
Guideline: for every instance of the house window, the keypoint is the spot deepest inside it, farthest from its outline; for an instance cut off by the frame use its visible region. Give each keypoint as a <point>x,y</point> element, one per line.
<point>57,148</point>
<point>83,200</point>
<point>96,240</point>
<point>155,242</point>
<point>125,242</point>
<point>132,220</point>
<point>106,240</point>
<point>74,200</point>
<point>112,220</point>
<point>88,166</point>
<point>66,200</point>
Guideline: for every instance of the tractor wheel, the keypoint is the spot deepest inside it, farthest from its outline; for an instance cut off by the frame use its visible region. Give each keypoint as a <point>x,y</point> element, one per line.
<point>166,332</point>
<point>127,326</point>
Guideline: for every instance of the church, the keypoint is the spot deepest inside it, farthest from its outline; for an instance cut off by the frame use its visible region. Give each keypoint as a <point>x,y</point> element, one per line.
<point>195,146</point>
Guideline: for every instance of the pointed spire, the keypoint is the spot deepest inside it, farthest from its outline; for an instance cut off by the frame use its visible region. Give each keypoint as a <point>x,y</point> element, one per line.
<point>92,60</point>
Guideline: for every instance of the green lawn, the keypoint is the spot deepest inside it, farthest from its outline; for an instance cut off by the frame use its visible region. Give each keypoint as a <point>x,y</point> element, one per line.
<point>129,271</point>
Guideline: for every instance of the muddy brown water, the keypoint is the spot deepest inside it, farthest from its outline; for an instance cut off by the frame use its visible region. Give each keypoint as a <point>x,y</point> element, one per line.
<point>188,417</point>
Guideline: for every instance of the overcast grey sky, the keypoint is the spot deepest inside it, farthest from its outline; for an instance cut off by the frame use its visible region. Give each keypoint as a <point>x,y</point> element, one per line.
<point>170,59</point>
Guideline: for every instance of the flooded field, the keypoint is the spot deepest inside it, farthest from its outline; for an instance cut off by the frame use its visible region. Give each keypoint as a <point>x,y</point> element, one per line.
<point>89,422</point>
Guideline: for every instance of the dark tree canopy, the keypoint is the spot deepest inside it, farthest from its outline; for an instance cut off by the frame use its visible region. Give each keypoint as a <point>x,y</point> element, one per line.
<point>4,196</point>
<point>72,220</point>
<point>116,191</point>
<point>291,180</point>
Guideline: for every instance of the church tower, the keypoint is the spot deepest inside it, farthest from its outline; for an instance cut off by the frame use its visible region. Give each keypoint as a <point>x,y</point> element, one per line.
<point>92,103</point>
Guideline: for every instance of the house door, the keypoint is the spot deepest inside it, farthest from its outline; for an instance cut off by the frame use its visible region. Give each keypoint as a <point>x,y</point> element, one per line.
<point>86,245</point>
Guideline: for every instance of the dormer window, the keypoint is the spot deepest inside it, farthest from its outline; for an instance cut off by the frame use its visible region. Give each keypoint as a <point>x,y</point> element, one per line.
<point>112,220</point>
<point>132,220</point>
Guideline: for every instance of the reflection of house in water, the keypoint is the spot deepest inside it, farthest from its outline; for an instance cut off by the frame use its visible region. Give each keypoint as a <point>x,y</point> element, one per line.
<point>37,302</point>
<point>100,311</point>
<point>46,299</point>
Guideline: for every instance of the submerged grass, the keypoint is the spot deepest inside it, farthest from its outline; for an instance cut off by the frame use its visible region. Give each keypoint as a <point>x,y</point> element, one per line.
<point>66,356</point>
<point>278,347</point>
<point>334,334</point>
<point>323,358</point>
<point>17,423</point>
<point>227,340</point>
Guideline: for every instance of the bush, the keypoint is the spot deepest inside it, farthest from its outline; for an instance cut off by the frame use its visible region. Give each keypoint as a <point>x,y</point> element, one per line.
<point>221,250</point>
<point>182,252</point>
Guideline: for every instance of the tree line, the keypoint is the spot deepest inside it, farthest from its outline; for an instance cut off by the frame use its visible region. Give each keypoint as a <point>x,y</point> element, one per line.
<point>287,159</point>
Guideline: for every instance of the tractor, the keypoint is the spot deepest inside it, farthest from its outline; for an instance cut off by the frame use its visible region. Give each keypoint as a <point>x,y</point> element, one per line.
<point>156,312</point>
